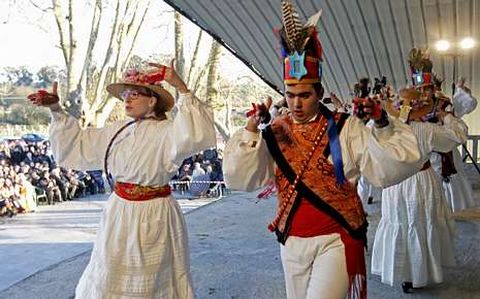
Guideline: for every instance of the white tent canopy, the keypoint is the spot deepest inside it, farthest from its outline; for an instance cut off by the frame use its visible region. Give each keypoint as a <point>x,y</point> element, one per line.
<point>360,38</point>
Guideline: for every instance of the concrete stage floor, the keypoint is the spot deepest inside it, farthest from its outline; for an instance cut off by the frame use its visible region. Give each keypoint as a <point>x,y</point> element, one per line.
<point>233,256</point>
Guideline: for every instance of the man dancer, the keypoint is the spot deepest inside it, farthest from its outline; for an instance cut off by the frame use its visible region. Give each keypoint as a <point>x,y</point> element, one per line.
<point>320,222</point>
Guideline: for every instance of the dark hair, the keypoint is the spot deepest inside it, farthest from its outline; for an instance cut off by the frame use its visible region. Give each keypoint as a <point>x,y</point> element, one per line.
<point>159,108</point>
<point>318,89</point>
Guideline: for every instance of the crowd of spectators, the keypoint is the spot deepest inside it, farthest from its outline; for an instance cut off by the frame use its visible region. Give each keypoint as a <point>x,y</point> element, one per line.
<point>28,173</point>
<point>200,174</point>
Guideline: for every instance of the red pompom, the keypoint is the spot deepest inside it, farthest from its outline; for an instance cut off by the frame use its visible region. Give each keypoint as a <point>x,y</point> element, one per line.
<point>271,227</point>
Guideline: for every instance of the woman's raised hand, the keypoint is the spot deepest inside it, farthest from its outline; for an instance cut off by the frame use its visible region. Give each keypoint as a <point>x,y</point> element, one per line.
<point>45,98</point>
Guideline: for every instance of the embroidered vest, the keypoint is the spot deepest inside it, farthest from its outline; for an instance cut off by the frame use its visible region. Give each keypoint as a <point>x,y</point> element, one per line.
<point>290,144</point>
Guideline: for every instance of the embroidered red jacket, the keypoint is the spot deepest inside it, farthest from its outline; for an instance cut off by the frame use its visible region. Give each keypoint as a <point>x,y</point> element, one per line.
<point>290,144</point>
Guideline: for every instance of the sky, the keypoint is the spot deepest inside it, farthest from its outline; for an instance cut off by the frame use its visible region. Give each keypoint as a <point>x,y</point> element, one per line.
<point>18,38</point>
<point>29,37</point>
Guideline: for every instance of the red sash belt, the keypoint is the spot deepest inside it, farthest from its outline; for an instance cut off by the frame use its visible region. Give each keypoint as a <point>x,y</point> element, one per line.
<point>136,192</point>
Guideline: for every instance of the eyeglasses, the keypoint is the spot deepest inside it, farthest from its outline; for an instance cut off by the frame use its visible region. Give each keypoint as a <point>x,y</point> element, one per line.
<point>131,93</point>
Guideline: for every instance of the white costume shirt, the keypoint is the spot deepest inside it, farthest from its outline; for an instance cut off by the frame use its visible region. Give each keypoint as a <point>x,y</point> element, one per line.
<point>385,156</point>
<point>148,152</point>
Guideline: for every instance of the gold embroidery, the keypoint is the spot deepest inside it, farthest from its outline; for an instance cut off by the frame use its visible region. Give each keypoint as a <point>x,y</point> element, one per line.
<point>138,192</point>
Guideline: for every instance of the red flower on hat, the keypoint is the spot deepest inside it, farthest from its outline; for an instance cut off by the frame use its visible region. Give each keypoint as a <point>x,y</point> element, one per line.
<point>148,78</point>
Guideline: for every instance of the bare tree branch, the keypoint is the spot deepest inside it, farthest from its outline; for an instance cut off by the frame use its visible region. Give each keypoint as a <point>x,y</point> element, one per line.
<point>103,69</point>
<point>135,35</point>
<point>38,6</point>
<point>199,78</point>
<point>72,45</point>
<point>96,17</point>
<point>193,64</point>
<point>179,55</point>
<point>223,130</point>
<point>9,11</point>
<point>133,20</point>
<point>61,31</point>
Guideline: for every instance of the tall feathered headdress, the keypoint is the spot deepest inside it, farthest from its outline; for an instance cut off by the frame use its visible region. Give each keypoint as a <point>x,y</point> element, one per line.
<point>420,67</point>
<point>300,46</point>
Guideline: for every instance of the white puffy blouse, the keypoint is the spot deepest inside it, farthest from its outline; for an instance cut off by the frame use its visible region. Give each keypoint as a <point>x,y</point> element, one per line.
<point>385,156</point>
<point>148,152</point>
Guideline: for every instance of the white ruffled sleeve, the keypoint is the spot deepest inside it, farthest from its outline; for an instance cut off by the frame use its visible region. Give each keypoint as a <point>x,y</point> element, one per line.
<point>77,148</point>
<point>193,128</point>
<point>451,134</point>
<point>385,156</point>
<point>463,103</point>
<point>247,163</point>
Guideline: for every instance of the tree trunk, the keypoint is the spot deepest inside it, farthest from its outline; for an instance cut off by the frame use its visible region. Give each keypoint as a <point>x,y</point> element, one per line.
<point>57,13</point>
<point>222,130</point>
<point>179,55</point>
<point>85,86</point>
<point>102,115</point>
<point>225,127</point>
<point>126,36</point>
<point>193,64</point>
<point>212,77</point>
<point>87,79</point>
<point>212,84</point>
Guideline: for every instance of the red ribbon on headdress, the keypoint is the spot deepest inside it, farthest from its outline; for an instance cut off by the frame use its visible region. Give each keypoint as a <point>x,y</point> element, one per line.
<point>318,45</point>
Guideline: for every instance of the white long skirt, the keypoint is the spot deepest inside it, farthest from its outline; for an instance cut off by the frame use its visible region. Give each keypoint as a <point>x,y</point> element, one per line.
<point>415,235</point>
<point>458,190</point>
<point>141,251</point>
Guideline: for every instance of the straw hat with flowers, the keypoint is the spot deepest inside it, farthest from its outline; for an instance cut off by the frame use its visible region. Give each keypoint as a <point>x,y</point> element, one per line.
<point>410,104</point>
<point>144,81</point>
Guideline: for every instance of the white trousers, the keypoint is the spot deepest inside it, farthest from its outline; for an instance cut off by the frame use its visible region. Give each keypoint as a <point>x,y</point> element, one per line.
<point>315,268</point>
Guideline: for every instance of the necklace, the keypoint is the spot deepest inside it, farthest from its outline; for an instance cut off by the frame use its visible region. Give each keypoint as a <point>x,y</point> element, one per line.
<point>320,132</point>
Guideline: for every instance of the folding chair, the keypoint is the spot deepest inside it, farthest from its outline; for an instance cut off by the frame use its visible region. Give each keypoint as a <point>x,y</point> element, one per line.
<point>40,196</point>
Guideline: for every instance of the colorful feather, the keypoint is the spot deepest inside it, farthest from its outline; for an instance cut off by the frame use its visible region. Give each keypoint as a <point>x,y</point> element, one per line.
<point>291,23</point>
<point>284,49</point>
<point>309,30</point>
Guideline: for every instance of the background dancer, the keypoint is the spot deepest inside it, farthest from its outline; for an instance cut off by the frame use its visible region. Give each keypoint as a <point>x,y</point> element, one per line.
<point>414,237</point>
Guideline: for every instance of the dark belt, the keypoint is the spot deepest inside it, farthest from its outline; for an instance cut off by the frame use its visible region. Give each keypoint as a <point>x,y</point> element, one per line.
<point>135,192</point>
<point>426,165</point>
